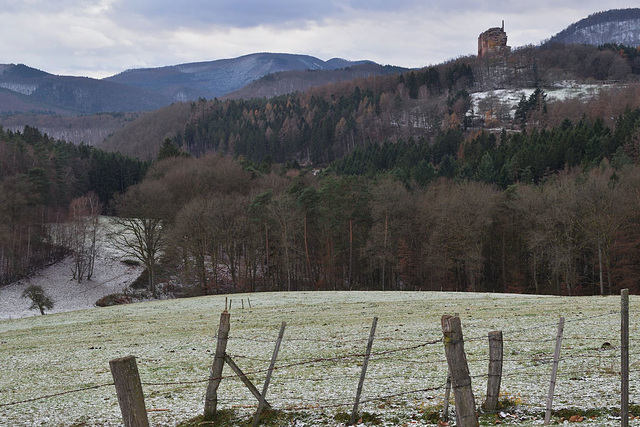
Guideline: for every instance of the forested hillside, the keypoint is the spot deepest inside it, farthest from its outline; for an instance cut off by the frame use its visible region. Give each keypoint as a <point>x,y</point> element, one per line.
<point>88,129</point>
<point>30,90</point>
<point>407,183</point>
<point>39,179</point>
<point>286,82</point>
<point>325,123</point>
<point>546,211</point>
<point>389,182</point>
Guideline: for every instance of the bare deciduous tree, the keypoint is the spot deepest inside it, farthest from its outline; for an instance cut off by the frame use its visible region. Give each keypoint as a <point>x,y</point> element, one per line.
<point>460,217</point>
<point>600,204</point>
<point>140,231</point>
<point>84,229</point>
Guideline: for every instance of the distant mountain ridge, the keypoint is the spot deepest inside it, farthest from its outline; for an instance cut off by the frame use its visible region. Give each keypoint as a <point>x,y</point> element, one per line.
<point>33,97</point>
<point>24,89</point>
<point>27,89</point>
<point>213,79</point>
<point>617,26</point>
<point>29,96</point>
<point>286,82</point>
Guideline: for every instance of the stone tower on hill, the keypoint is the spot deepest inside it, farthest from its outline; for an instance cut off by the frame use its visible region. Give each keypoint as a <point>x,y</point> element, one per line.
<point>493,41</point>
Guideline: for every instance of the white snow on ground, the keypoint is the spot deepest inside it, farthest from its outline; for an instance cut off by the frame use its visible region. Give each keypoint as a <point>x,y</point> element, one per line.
<point>320,358</point>
<point>111,276</point>
<point>511,97</point>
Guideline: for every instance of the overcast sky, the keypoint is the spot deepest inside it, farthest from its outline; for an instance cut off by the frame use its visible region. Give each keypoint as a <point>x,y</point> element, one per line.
<point>99,38</point>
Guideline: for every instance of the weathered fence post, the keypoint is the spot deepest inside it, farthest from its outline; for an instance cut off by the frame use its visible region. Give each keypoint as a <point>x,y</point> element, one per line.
<point>245,380</point>
<point>447,396</point>
<point>129,391</point>
<point>495,370</point>
<point>447,393</point>
<point>354,413</point>
<point>624,355</point>
<point>459,369</point>
<point>211,398</point>
<point>554,371</point>
<point>263,397</point>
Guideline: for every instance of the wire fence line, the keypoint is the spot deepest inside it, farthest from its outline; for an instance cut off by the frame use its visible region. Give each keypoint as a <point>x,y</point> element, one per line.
<point>395,354</point>
<point>52,395</point>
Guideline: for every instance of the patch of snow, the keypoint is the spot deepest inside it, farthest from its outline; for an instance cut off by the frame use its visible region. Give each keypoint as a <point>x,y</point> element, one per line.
<point>110,276</point>
<point>511,97</point>
<point>19,88</point>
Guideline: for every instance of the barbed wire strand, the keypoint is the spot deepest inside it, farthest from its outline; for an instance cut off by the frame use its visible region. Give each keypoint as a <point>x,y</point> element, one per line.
<point>49,396</point>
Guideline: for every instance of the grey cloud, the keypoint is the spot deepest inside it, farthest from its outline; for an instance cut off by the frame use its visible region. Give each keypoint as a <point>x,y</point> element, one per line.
<point>108,35</point>
<point>251,13</point>
<point>241,13</point>
<point>45,6</point>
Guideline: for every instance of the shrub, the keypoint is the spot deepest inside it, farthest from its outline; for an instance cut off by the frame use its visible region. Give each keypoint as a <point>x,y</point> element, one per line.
<point>113,299</point>
<point>39,299</point>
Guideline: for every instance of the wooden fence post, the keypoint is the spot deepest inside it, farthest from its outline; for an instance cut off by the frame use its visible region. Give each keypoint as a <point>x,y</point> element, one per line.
<point>447,393</point>
<point>211,398</point>
<point>263,397</point>
<point>495,370</point>
<point>624,356</point>
<point>447,396</point>
<point>554,372</point>
<point>243,377</point>
<point>129,391</point>
<point>459,369</point>
<point>354,413</point>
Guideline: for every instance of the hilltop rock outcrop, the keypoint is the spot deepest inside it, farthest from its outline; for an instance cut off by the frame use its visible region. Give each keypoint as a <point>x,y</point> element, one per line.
<point>493,41</point>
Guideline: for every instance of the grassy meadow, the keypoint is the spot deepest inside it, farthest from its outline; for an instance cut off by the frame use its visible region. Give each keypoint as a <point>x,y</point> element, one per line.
<point>320,358</point>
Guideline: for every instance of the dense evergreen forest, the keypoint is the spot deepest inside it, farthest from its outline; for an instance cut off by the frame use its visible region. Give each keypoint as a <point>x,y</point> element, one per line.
<point>39,179</point>
<point>502,159</point>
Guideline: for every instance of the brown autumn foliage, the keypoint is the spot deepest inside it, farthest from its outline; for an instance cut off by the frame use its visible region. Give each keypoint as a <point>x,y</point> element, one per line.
<point>577,233</point>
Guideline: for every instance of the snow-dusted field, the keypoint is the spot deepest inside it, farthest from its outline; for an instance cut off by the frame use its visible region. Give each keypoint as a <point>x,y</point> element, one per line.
<point>320,357</point>
<point>111,276</point>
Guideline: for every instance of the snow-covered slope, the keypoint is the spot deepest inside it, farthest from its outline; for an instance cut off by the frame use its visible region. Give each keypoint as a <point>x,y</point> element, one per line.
<point>111,275</point>
<point>614,26</point>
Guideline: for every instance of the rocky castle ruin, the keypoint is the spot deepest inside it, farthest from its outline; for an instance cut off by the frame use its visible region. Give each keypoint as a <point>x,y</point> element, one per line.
<point>493,42</point>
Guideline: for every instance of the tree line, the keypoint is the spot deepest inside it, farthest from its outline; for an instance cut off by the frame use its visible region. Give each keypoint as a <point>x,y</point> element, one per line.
<point>503,158</point>
<point>230,225</point>
<point>45,181</point>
